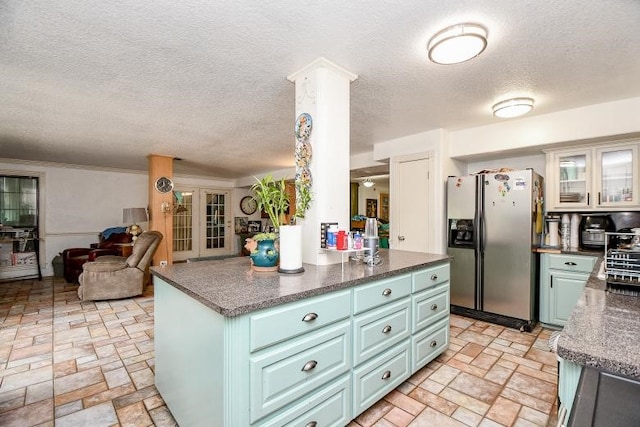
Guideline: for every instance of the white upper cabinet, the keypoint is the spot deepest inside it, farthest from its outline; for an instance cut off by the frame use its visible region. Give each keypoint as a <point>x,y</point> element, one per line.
<point>595,177</point>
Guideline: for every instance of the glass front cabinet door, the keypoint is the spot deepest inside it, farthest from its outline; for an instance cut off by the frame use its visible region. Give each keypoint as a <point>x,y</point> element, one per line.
<point>573,172</point>
<point>596,177</point>
<point>617,176</point>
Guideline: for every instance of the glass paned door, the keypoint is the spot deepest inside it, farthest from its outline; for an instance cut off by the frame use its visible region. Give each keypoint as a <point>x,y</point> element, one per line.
<point>183,222</point>
<point>573,179</point>
<point>201,223</point>
<point>616,176</point>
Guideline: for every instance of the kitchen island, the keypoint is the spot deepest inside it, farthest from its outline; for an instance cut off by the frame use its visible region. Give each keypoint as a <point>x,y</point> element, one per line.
<point>601,334</point>
<point>235,347</point>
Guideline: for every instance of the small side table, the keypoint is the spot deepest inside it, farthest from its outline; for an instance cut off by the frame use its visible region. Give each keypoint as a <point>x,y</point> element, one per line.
<point>125,249</point>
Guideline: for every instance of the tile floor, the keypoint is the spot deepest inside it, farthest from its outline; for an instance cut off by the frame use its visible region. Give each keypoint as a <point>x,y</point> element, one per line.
<point>69,363</point>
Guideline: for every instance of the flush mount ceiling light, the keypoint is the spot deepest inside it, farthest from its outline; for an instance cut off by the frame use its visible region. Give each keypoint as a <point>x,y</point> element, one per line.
<point>367,183</point>
<point>458,43</point>
<point>513,107</point>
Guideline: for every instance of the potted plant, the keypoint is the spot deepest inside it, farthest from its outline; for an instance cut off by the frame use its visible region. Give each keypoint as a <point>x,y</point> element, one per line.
<point>271,196</point>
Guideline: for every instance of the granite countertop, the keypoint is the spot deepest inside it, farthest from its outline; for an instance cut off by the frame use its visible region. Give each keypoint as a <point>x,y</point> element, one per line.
<point>231,288</point>
<point>602,331</point>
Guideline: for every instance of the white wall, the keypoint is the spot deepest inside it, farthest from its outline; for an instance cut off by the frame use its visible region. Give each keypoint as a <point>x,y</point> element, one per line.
<point>600,122</point>
<point>536,162</point>
<point>78,203</point>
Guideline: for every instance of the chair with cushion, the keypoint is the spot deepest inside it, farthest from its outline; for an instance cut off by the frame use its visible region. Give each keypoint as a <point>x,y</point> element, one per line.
<point>74,258</point>
<point>115,277</point>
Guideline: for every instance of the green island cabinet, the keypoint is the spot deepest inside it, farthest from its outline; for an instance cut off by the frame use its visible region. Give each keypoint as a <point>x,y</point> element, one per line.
<point>562,279</point>
<point>319,361</point>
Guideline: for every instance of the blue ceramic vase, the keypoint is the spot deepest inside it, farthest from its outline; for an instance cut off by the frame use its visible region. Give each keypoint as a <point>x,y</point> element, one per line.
<point>266,255</point>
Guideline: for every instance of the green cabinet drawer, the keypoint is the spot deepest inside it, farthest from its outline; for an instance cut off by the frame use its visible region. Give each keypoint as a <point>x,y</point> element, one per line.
<point>381,292</point>
<point>282,374</point>
<point>430,305</point>
<point>377,330</point>
<point>330,406</point>
<point>430,277</point>
<point>376,378</point>
<point>428,344</point>
<point>576,263</point>
<point>279,324</point>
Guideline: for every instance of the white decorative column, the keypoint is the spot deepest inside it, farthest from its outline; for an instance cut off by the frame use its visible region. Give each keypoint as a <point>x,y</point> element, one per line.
<point>322,90</point>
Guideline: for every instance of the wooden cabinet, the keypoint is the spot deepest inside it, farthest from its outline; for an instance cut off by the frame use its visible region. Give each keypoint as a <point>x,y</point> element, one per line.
<point>594,177</point>
<point>562,280</point>
<point>318,361</point>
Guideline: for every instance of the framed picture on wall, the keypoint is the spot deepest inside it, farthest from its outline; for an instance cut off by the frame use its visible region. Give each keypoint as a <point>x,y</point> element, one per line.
<point>372,208</point>
<point>254,226</point>
<point>384,206</point>
<point>241,224</point>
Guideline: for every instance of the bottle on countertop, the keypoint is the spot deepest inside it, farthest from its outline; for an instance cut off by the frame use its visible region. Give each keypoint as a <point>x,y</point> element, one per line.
<point>332,235</point>
<point>357,240</point>
<point>341,240</point>
<point>350,240</point>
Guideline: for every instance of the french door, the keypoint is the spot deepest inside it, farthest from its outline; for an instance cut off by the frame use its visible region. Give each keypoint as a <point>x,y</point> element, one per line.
<point>201,223</point>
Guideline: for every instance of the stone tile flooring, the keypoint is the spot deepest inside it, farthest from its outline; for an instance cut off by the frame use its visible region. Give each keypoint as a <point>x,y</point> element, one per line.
<point>69,363</point>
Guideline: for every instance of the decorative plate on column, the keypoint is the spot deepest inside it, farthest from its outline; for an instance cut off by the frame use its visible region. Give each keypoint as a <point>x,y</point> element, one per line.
<point>303,154</point>
<point>303,127</point>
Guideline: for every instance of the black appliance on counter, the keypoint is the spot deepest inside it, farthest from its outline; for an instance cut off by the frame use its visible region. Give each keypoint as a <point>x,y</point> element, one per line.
<point>592,230</point>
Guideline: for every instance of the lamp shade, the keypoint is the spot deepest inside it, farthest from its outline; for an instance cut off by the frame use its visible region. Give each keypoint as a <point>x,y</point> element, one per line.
<point>134,215</point>
<point>367,183</point>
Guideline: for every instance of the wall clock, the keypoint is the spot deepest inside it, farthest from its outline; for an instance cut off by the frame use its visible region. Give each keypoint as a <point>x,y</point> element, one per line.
<point>163,185</point>
<point>248,205</point>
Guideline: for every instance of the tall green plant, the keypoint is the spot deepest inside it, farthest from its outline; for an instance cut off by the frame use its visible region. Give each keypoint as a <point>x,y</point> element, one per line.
<point>303,199</point>
<point>272,197</point>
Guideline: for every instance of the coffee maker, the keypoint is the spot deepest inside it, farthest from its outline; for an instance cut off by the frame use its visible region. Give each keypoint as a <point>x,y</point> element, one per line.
<point>593,229</point>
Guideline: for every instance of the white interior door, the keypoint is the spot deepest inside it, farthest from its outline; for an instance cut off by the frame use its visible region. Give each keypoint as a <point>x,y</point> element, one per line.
<point>202,224</point>
<point>411,225</point>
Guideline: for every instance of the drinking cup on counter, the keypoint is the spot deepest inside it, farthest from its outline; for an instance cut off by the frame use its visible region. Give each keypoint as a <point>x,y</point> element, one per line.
<point>553,231</point>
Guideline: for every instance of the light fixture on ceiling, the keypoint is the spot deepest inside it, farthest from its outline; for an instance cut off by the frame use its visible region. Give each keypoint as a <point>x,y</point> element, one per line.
<point>458,43</point>
<point>513,107</point>
<point>368,183</point>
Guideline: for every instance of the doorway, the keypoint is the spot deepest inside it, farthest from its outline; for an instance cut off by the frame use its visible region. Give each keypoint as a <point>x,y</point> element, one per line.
<point>412,223</point>
<point>202,223</point>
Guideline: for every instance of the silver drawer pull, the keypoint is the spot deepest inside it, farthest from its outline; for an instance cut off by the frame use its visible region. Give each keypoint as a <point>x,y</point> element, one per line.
<point>386,375</point>
<point>309,317</point>
<point>434,277</point>
<point>309,365</point>
<point>571,263</point>
<point>434,307</point>
<point>311,424</point>
<point>386,329</point>
<point>386,292</point>
<point>433,344</point>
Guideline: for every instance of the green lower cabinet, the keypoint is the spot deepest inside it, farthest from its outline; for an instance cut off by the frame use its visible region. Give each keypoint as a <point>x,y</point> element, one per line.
<point>319,361</point>
<point>569,377</point>
<point>562,279</point>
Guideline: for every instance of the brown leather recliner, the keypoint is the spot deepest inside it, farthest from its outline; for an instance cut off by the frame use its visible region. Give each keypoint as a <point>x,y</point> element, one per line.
<point>74,258</point>
<point>115,277</point>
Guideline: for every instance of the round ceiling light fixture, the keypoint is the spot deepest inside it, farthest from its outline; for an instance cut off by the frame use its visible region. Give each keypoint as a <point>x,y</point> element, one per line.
<point>367,183</point>
<point>458,43</point>
<point>513,107</point>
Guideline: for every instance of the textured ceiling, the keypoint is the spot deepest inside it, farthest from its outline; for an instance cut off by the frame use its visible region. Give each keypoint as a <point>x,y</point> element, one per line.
<point>106,83</point>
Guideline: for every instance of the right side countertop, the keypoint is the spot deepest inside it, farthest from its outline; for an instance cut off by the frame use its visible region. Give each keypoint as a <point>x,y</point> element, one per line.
<point>603,330</point>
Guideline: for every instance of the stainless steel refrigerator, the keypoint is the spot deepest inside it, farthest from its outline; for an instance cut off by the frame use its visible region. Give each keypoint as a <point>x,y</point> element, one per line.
<point>491,221</point>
